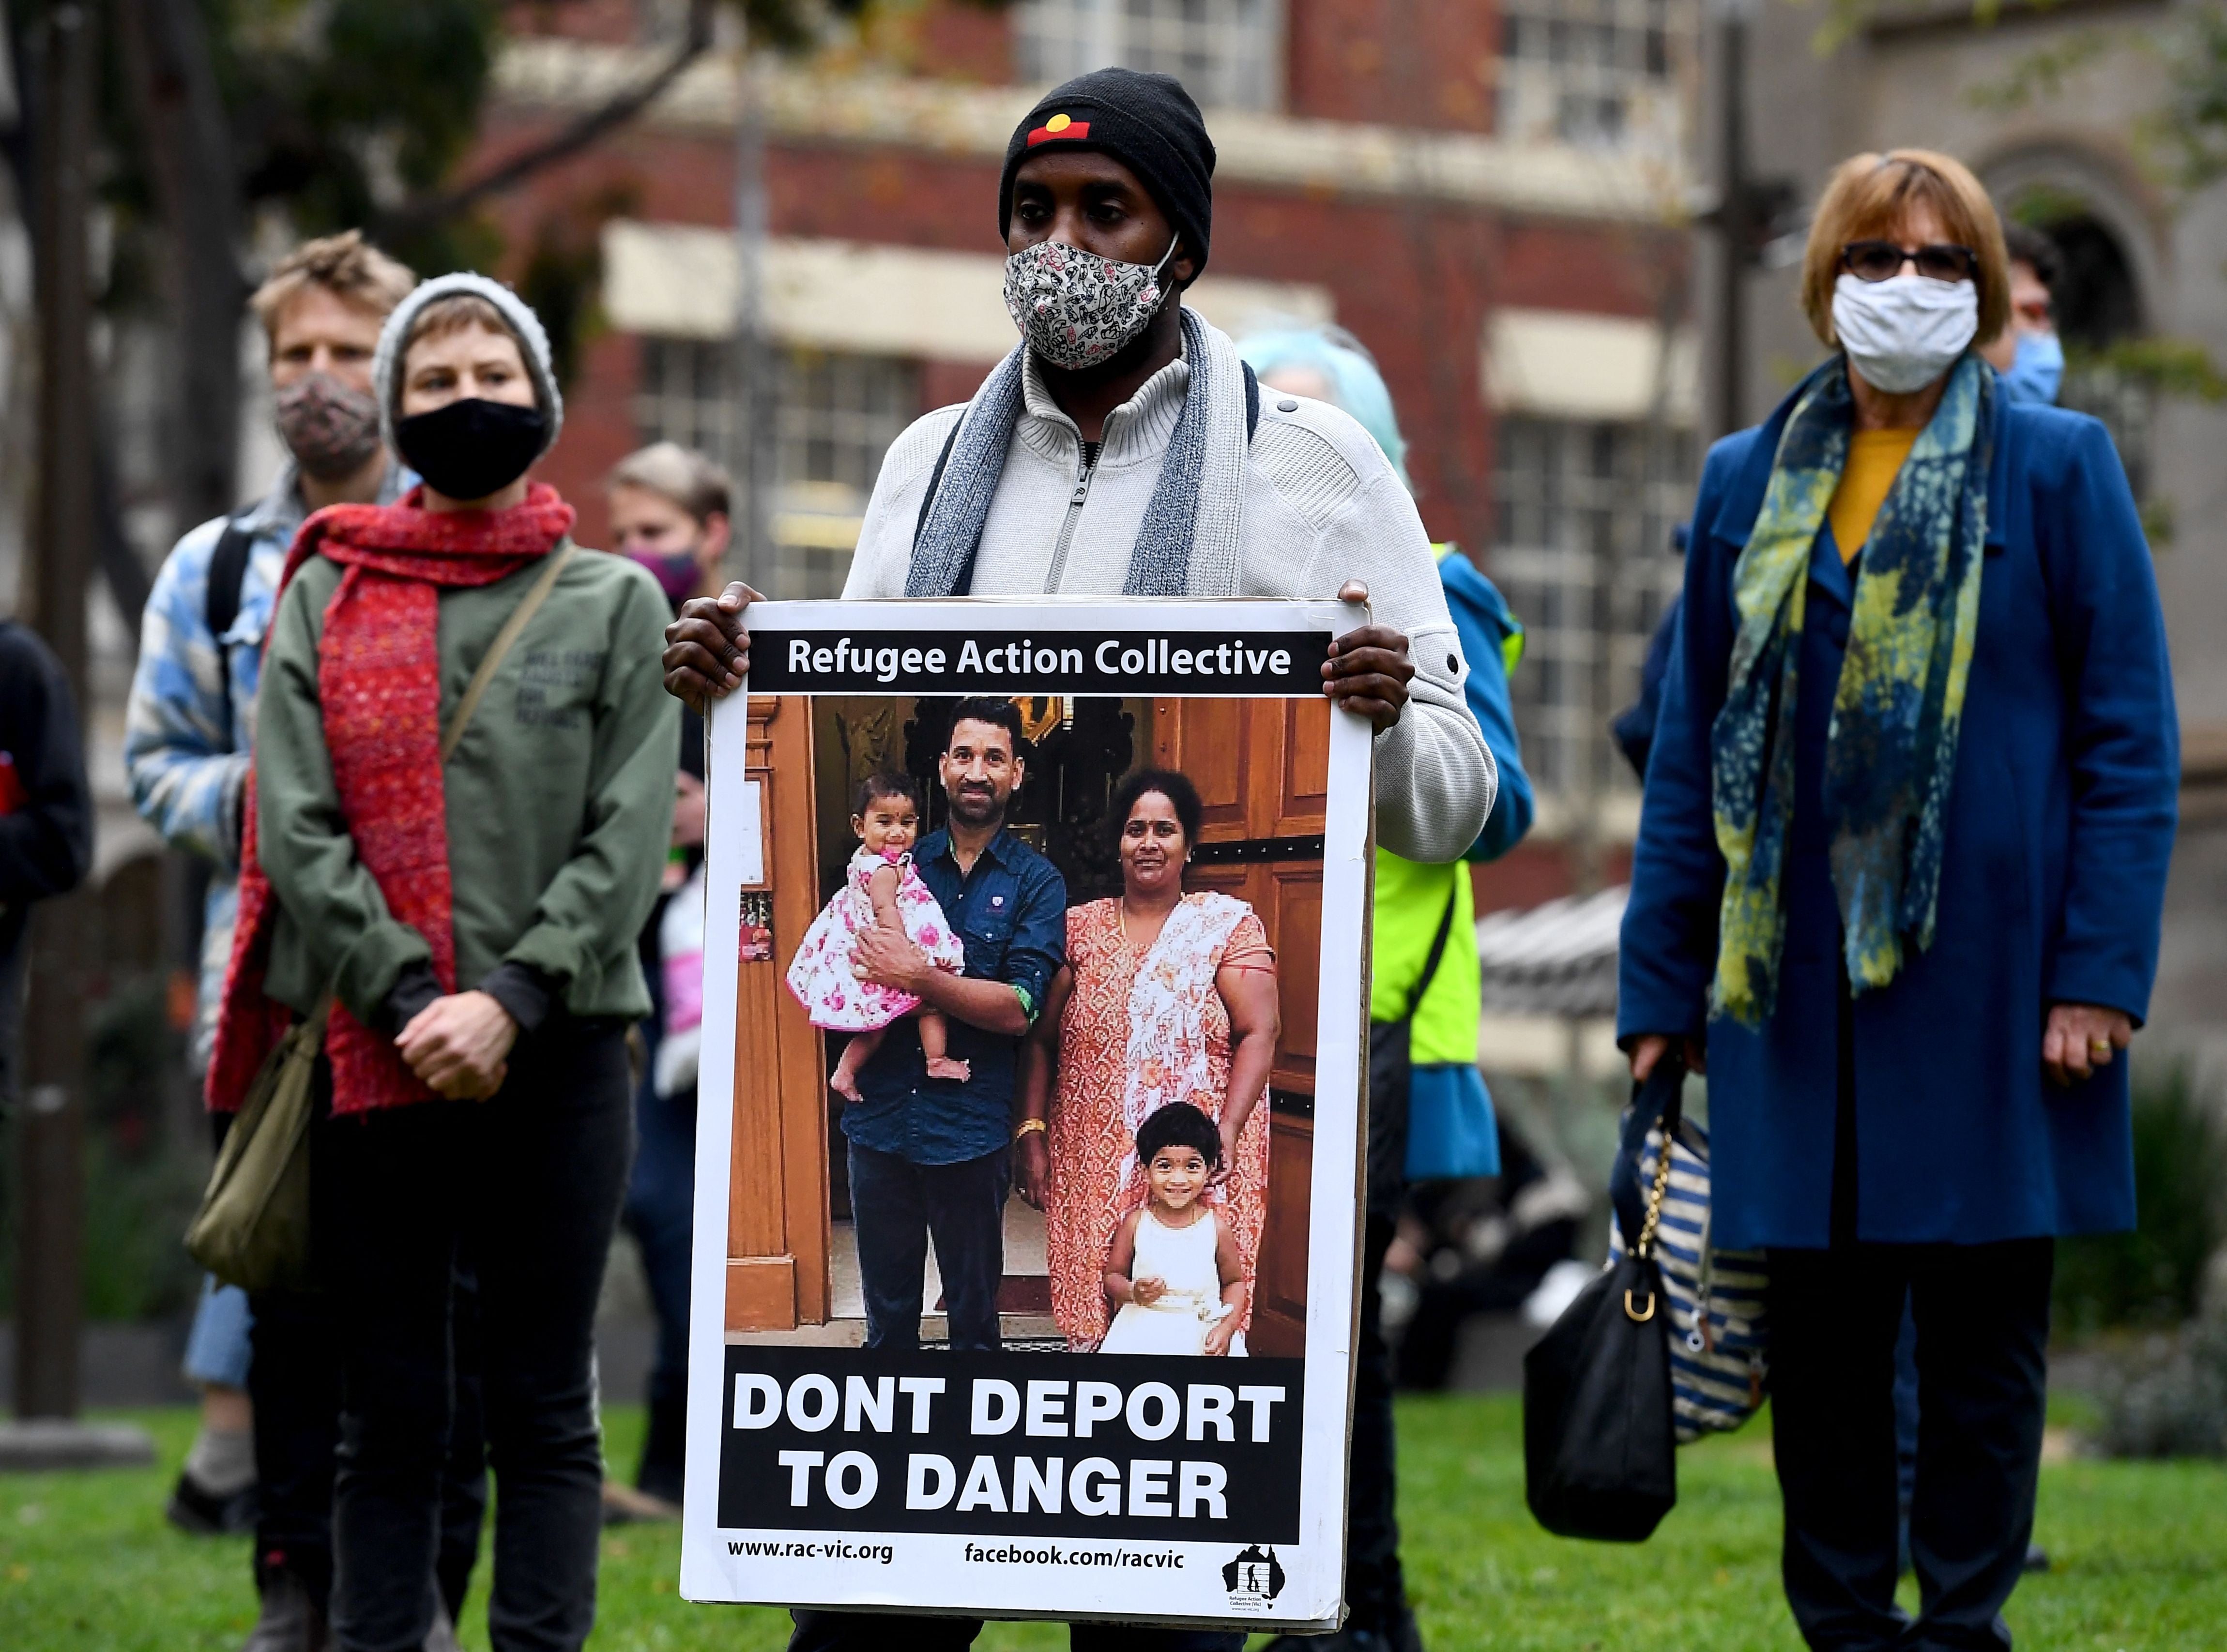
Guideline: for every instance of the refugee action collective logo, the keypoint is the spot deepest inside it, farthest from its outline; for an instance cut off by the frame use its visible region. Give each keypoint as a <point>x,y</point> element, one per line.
<point>1254,1579</point>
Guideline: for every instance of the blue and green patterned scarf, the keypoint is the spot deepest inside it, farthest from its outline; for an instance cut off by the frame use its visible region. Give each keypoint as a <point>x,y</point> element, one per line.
<point>1892,744</point>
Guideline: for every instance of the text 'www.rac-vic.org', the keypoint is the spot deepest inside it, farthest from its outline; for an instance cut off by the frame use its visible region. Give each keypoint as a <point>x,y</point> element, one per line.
<point>876,1554</point>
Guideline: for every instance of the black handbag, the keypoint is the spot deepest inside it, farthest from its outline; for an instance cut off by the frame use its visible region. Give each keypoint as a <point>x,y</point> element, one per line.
<point>1600,1445</point>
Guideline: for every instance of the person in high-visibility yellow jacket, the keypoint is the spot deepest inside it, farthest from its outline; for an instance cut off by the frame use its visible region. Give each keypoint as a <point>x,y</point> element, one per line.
<point>1448,1115</point>
<point>1424,1011</point>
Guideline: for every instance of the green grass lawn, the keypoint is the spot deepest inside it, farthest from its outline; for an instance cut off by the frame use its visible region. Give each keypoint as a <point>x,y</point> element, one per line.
<point>2140,1553</point>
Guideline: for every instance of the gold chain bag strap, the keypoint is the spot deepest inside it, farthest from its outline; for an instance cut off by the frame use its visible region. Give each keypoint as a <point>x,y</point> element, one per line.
<point>1714,1300</point>
<point>252,1229</point>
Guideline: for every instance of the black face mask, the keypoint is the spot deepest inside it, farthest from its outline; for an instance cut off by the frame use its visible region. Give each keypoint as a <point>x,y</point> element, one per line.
<point>471,449</point>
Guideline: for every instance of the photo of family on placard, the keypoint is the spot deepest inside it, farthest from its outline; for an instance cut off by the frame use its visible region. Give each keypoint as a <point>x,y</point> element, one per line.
<point>1052,1018</point>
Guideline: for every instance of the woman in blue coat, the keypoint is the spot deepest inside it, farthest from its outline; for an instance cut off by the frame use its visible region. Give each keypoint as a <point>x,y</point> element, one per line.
<point>1897,888</point>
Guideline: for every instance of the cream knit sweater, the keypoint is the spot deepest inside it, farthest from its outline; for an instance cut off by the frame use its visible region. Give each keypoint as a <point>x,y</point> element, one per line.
<point>1321,506</point>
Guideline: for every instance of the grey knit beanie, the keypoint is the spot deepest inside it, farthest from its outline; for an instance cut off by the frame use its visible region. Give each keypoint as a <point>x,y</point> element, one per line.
<point>533,345</point>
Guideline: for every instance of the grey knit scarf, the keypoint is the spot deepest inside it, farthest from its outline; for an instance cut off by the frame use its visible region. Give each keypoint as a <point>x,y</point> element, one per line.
<point>1188,543</point>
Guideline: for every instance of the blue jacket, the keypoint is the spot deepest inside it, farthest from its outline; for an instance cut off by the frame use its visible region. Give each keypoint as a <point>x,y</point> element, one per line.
<point>2060,824</point>
<point>1491,642</point>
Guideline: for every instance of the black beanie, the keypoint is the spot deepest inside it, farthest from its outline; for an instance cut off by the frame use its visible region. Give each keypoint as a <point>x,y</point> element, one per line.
<point>1148,122</point>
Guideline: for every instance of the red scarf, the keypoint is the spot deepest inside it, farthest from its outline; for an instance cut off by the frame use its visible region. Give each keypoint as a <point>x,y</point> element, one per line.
<point>379,683</point>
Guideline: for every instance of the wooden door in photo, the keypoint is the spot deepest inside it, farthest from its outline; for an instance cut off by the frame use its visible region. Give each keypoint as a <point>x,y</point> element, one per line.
<point>1262,768</point>
<point>777,1238</point>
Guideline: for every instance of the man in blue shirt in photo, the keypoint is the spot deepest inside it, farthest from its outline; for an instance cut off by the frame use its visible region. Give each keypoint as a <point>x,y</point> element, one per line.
<point>929,1157</point>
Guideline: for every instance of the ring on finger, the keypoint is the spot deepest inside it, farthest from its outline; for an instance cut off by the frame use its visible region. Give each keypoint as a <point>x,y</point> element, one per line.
<point>2099,1048</point>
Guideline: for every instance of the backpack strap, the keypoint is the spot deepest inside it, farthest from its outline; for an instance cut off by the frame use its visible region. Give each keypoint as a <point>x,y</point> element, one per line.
<point>227,577</point>
<point>1251,400</point>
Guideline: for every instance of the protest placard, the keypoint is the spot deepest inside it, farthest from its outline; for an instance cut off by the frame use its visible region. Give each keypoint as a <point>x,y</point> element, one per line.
<point>1029,1112</point>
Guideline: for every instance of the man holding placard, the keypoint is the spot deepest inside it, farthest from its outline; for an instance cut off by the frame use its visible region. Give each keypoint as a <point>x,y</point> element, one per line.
<point>1124,449</point>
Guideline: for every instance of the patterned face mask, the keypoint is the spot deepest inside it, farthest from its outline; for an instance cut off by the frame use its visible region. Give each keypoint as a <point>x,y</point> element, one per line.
<point>330,428</point>
<point>1075,309</point>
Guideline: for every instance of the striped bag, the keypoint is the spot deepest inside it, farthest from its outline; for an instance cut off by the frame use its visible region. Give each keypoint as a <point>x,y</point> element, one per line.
<point>1719,1365</point>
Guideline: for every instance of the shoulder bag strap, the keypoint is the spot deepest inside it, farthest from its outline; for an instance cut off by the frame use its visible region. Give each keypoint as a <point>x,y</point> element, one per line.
<point>1436,953</point>
<point>1656,1104</point>
<point>461,717</point>
<point>528,606</point>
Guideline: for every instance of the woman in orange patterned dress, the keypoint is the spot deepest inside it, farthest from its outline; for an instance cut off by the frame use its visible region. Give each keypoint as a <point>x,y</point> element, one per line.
<point>1166,997</point>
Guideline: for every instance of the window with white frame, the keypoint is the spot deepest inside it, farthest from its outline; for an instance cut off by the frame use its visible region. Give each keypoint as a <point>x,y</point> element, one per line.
<point>1227,52</point>
<point>1583,555</point>
<point>1601,73</point>
<point>835,416</point>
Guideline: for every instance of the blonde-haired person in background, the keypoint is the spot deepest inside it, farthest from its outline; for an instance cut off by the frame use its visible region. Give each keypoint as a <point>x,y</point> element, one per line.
<point>189,727</point>
<point>670,510</point>
<point>1898,887</point>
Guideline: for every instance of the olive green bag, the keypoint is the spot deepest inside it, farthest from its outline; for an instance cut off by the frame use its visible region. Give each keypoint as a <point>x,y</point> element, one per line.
<point>252,1229</point>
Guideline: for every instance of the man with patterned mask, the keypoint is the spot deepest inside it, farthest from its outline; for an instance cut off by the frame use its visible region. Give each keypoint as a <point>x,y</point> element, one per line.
<point>1123,449</point>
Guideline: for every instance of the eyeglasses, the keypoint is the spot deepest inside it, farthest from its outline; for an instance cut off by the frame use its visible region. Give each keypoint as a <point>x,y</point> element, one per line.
<point>1883,260</point>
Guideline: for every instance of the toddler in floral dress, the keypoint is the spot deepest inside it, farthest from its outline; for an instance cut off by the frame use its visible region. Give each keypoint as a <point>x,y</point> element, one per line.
<point>880,888</point>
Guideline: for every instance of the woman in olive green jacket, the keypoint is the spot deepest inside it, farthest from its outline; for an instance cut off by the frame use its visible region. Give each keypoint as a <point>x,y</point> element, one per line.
<point>468,890</point>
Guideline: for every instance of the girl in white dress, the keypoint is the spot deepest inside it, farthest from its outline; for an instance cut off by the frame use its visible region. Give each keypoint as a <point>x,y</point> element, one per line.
<point>880,887</point>
<point>1174,1271</point>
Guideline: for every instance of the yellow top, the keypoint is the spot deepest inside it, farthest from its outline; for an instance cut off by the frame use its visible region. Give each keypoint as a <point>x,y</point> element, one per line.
<point>1874,460</point>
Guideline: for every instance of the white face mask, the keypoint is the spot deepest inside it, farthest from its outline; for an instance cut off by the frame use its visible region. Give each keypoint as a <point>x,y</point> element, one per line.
<point>1903,334</point>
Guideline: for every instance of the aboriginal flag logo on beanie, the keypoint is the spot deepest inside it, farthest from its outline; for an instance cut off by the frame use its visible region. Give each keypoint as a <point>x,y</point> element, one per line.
<point>1060,126</point>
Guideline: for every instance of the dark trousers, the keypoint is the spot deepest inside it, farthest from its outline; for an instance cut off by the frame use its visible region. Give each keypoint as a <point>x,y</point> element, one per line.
<point>527,1184</point>
<point>661,1210</point>
<point>1978,1316</point>
<point>1905,1430</point>
<point>1981,1313</point>
<point>1375,1586</point>
<point>896,1207</point>
<point>294,1384</point>
<point>819,1631</point>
